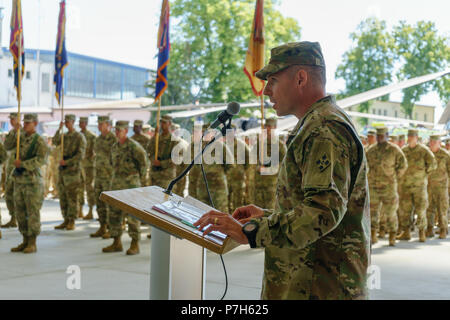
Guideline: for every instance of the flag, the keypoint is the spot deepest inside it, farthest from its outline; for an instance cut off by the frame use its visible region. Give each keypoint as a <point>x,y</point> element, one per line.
<point>61,61</point>
<point>16,43</point>
<point>254,60</point>
<point>163,47</point>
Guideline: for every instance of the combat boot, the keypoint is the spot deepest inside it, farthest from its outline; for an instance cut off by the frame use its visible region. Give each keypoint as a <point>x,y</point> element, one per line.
<point>100,232</point>
<point>115,247</point>
<point>62,225</point>
<point>442,233</point>
<point>106,235</point>
<point>89,216</point>
<point>21,246</point>
<point>392,239</point>
<point>31,246</point>
<point>422,237</point>
<point>429,233</point>
<point>11,224</point>
<point>0,234</point>
<point>405,235</point>
<point>134,248</point>
<point>80,212</point>
<point>70,225</point>
<point>381,234</point>
<point>374,236</point>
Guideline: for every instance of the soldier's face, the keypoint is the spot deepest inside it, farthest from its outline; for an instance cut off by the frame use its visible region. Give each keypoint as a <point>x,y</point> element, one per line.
<point>103,127</point>
<point>137,129</point>
<point>165,126</point>
<point>371,139</point>
<point>283,92</point>
<point>435,145</point>
<point>413,140</point>
<point>13,121</point>
<point>381,138</point>
<point>83,125</point>
<point>69,124</point>
<point>29,127</point>
<point>121,133</point>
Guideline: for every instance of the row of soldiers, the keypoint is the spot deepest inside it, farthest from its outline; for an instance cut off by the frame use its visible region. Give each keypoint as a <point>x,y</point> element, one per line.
<point>112,161</point>
<point>407,182</point>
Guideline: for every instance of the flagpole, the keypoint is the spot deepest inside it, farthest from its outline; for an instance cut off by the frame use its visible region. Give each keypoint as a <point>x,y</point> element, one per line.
<point>262,130</point>
<point>62,119</point>
<point>157,128</point>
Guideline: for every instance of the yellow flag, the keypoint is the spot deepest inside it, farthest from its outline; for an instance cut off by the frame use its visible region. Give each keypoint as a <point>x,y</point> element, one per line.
<point>254,60</point>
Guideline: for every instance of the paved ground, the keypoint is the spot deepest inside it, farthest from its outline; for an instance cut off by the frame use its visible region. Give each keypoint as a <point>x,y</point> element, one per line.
<point>410,271</point>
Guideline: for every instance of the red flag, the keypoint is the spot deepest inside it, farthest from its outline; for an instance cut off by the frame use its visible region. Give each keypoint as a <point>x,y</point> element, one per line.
<point>16,43</point>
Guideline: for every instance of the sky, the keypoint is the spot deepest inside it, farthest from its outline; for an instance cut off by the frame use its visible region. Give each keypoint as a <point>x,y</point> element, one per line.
<point>125,31</point>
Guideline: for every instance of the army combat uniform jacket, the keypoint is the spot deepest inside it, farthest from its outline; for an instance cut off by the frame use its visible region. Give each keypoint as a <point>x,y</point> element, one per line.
<point>317,240</point>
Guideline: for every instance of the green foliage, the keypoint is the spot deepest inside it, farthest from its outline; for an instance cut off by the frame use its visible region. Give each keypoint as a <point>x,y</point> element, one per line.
<point>422,50</point>
<point>369,63</point>
<point>209,41</point>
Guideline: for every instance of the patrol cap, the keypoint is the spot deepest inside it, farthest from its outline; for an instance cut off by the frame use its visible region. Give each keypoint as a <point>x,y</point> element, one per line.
<point>382,131</point>
<point>401,137</point>
<point>293,53</point>
<point>13,115</point>
<point>84,119</point>
<point>371,132</point>
<point>394,138</point>
<point>435,137</point>
<point>166,118</point>
<point>413,132</point>
<point>101,119</point>
<point>138,122</point>
<point>272,122</point>
<point>122,124</point>
<point>69,117</point>
<point>146,127</point>
<point>30,117</point>
<point>175,126</point>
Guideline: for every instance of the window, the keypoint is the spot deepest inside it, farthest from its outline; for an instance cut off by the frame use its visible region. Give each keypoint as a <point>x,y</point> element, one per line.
<point>385,112</point>
<point>425,117</point>
<point>379,112</point>
<point>374,111</point>
<point>396,114</point>
<point>28,75</point>
<point>416,116</point>
<point>45,87</point>
<point>10,73</point>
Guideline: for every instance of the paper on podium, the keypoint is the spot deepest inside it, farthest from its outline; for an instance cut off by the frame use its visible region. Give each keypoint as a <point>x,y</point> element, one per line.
<point>172,214</point>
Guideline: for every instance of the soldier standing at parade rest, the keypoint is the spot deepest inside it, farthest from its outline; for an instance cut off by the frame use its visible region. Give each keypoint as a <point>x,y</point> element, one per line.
<point>143,140</point>
<point>129,163</point>
<point>438,189</point>
<point>87,170</point>
<point>29,184</point>
<point>322,192</point>
<point>3,157</point>
<point>103,172</point>
<point>413,191</point>
<point>10,146</point>
<point>69,179</point>
<point>386,163</point>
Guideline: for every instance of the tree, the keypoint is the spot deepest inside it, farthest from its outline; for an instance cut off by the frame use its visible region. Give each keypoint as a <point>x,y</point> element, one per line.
<point>209,43</point>
<point>369,63</point>
<point>422,51</point>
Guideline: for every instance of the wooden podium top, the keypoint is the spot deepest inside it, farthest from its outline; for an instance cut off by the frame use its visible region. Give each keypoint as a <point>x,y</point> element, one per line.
<point>138,202</point>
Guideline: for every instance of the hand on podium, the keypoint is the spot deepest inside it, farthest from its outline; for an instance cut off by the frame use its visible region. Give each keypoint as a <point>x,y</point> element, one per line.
<point>245,214</point>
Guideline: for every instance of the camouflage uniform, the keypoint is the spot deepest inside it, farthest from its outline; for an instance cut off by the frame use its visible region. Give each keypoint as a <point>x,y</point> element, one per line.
<point>103,170</point>
<point>29,185</point>
<point>88,170</point>
<point>143,140</point>
<point>413,193</point>
<point>438,190</point>
<point>236,175</point>
<point>265,182</point>
<point>129,163</point>
<point>181,185</point>
<point>70,176</point>
<point>3,157</point>
<point>54,156</point>
<point>195,174</point>
<point>317,240</point>
<point>386,163</point>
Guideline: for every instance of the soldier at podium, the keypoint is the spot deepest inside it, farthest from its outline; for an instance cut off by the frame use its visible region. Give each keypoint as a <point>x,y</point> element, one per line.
<point>129,163</point>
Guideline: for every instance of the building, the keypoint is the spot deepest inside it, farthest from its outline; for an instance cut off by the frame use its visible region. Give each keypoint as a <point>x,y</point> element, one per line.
<point>86,80</point>
<point>393,109</point>
<point>445,117</point>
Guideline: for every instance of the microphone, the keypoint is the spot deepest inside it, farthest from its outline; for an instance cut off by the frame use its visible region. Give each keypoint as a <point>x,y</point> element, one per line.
<point>232,109</point>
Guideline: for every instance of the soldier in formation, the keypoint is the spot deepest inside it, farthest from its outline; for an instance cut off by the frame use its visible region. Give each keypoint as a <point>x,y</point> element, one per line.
<point>87,167</point>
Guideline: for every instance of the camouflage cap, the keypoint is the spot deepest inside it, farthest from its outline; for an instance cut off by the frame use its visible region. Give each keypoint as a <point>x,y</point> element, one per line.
<point>101,119</point>
<point>435,137</point>
<point>138,122</point>
<point>272,122</point>
<point>122,124</point>
<point>175,126</point>
<point>166,118</point>
<point>371,132</point>
<point>70,117</point>
<point>393,138</point>
<point>84,119</point>
<point>294,53</point>
<point>13,115</point>
<point>30,117</point>
<point>146,127</point>
<point>401,137</point>
<point>382,131</point>
<point>413,132</point>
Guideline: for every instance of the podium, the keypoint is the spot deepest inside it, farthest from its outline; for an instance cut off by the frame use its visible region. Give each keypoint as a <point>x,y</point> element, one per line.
<point>178,251</point>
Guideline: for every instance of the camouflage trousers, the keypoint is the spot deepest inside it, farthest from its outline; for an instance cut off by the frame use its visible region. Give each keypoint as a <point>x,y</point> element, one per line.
<point>102,184</point>
<point>9,195</point>
<point>162,177</point>
<point>181,185</point>
<point>195,175</point>
<point>116,216</point>
<point>218,189</point>
<point>265,191</point>
<point>385,199</point>
<point>87,177</point>
<point>69,189</point>
<point>413,199</point>
<point>28,199</point>
<point>438,197</point>
<point>236,190</point>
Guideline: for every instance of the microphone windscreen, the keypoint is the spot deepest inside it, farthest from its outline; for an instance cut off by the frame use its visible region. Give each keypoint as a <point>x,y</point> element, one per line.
<point>233,108</point>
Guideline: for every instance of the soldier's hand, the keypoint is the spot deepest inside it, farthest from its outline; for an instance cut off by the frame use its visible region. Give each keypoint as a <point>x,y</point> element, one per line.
<point>245,214</point>
<point>17,163</point>
<point>222,222</point>
<point>156,163</point>
<point>62,163</point>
